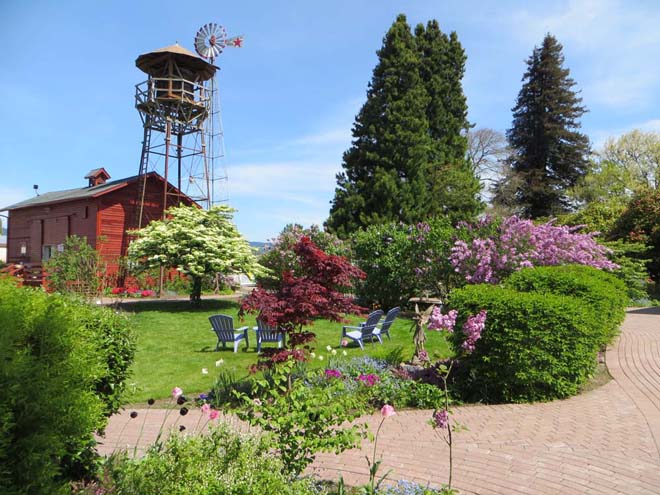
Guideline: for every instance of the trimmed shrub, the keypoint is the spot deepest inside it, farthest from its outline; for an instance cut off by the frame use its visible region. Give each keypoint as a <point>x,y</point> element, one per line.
<point>535,346</point>
<point>62,365</point>
<point>604,292</point>
<point>221,463</point>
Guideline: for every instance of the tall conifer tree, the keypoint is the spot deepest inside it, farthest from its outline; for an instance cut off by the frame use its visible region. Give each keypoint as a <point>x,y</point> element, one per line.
<point>453,182</point>
<point>407,144</point>
<point>549,153</point>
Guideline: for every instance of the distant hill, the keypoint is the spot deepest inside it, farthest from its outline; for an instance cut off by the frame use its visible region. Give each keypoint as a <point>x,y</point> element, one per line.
<point>260,246</point>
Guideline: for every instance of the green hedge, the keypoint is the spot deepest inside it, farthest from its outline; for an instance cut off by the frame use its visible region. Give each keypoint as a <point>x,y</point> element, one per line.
<point>61,372</point>
<point>535,346</point>
<point>604,292</point>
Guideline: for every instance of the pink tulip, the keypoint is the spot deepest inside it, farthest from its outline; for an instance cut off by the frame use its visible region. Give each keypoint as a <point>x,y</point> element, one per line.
<point>177,392</point>
<point>213,414</point>
<point>387,411</point>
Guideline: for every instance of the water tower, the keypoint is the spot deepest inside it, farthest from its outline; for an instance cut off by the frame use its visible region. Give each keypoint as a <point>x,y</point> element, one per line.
<point>180,111</point>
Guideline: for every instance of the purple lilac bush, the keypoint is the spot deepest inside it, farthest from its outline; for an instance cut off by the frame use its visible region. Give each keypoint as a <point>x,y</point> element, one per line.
<point>519,243</point>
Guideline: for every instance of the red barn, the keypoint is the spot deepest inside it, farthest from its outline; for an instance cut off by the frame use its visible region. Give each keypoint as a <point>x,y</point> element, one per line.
<point>102,212</point>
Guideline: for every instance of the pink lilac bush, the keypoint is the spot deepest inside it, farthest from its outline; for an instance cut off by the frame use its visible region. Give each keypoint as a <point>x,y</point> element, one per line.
<point>438,321</point>
<point>472,330</point>
<point>519,244</point>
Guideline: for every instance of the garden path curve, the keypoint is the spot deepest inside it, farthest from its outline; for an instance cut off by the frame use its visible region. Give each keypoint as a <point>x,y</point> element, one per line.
<point>606,441</point>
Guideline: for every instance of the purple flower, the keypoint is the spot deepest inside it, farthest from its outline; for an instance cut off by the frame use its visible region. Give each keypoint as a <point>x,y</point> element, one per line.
<point>472,330</point>
<point>332,374</point>
<point>441,418</point>
<point>438,321</point>
<point>368,380</point>
<point>520,244</point>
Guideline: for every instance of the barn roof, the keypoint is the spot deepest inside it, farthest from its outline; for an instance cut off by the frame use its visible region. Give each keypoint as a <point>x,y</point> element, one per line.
<point>75,194</point>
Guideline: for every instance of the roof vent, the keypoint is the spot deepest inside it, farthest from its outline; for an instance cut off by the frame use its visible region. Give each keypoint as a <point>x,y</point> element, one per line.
<point>97,177</point>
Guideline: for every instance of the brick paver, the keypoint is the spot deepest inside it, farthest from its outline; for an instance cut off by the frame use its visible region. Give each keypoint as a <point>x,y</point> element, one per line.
<point>605,441</point>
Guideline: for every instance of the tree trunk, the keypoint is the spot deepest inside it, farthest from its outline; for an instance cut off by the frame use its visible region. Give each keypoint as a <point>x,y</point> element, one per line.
<point>196,291</point>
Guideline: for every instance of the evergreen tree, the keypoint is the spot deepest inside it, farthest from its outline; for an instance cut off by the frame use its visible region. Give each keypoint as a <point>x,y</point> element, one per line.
<point>453,182</point>
<point>407,161</point>
<point>549,154</point>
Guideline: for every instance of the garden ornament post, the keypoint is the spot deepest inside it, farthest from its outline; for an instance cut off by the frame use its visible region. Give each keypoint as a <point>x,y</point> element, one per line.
<point>421,319</point>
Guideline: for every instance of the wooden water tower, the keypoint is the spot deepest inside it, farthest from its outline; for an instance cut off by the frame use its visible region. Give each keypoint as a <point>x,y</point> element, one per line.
<point>174,106</point>
<point>180,109</point>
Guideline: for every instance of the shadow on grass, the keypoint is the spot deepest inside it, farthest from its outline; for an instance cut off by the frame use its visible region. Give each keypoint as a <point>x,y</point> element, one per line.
<point>179,306</point>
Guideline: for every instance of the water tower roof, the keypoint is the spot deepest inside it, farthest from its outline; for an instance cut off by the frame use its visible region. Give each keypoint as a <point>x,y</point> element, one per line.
<point>147,61</point>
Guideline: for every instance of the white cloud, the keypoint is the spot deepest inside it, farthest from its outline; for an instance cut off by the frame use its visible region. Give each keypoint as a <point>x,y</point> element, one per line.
<point>299,181</point>
<point>650,125</point>
<point>616,44</point>
<point>340,136</point>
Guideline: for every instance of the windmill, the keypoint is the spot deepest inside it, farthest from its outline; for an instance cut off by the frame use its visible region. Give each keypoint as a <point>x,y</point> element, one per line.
<point>210,42</point>
<point>179,106</point>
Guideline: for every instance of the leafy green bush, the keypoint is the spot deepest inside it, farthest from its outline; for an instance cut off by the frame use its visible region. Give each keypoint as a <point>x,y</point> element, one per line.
<point>535,346</point>
<point>596,217</point>
<point>302,420</point>
<point>50,364</point>
<point>639,223</point>
<point>605,293</point>
<point>77,269</point>
<point>114,339</point>
<point>221,463</point>
<point>402,261</point>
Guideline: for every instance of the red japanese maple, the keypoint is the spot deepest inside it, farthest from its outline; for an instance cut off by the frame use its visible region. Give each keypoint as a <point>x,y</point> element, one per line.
<point>319,291</point>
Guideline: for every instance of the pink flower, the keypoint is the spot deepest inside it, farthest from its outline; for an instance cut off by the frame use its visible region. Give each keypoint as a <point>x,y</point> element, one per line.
<point>472,330</point>
<point>438,321</point>
<point>177,392</point>
<point>213,414</point>
<point>205,409</point>
<point>344,342</point>
<point>387,411</point>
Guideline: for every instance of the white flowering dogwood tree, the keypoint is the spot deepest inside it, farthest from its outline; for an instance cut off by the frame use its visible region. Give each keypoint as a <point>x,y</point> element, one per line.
<point>195,242</point>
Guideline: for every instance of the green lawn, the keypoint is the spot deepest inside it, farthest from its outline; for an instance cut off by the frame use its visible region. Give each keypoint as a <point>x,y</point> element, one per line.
<point>174,343</point>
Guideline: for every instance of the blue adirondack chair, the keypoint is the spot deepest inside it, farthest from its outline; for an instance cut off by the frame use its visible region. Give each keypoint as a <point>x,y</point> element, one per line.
<point>367,330</point>
<point>266,333</point>
<point>223,326</point>
<point>385,325</point>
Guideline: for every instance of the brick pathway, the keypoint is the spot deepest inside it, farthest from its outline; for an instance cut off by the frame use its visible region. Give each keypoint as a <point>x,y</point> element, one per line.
<point>606,441</point>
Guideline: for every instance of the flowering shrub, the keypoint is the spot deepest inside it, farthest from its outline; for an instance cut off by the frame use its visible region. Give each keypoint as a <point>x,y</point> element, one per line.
<point>520,243</point>
<point>132,292</point>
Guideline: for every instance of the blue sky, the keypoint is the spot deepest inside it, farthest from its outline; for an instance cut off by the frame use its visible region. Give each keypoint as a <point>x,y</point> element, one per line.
<point>289,97</point>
